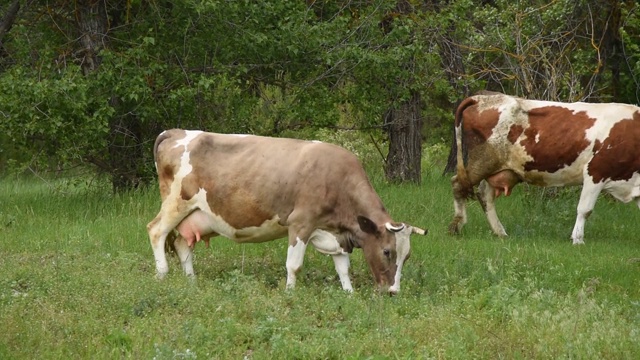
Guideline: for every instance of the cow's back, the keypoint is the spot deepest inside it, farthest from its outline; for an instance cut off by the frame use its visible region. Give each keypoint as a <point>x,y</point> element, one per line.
<point>548,143</point>
<point>263,177</point>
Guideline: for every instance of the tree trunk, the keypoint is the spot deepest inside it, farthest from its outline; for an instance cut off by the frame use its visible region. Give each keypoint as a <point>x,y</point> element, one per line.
<point>9,18</point>
<point>452,62</point>
<point>404,126</point>
<point>125,150</point>
<point>92,24</point>
<point>5,25</point>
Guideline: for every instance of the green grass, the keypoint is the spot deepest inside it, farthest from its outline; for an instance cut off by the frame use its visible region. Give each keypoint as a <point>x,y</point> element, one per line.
<point>78,282</point>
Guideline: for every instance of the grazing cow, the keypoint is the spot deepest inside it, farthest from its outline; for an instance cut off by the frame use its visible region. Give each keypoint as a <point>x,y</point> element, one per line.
<point>505,140</point>
<point>253,189</point>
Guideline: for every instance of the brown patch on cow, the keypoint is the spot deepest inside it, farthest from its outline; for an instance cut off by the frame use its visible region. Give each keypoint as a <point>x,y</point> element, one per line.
<point>478,126</point>
<point>514,133</point>
<point>482,159</point>
<point>166,173</point>
<point>236,198</point>
<point>190,187</point>
<point>597,145</point>
<point>618,156</point>
<point>555,137</point>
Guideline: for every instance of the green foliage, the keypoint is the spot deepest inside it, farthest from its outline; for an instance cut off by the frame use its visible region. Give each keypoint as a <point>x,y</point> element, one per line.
<point>281,67</point>
<point>536,45</point>
<point>363,147</point>
<point>54,116</point>
<point>629,33</point>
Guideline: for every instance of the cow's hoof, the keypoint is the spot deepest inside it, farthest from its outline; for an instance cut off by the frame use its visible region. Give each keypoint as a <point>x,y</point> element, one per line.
<point>454,228</point>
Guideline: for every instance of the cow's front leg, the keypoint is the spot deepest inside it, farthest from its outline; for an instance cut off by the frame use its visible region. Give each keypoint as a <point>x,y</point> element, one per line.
<point>588,197</point>
<point>326,243</point>
<point>295,258</point>
<point>342,262</point>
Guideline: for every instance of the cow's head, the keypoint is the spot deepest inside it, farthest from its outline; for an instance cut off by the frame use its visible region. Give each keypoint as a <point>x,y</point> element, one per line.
<point>386,247</point>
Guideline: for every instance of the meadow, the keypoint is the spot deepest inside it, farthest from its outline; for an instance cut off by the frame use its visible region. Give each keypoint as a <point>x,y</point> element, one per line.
<point>78,282</point>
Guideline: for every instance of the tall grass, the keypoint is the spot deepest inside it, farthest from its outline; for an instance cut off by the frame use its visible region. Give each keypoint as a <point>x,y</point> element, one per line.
<point>78,282</point>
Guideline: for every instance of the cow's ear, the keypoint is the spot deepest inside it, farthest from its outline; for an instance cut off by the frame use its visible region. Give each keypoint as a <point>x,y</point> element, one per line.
<point>367,225</point>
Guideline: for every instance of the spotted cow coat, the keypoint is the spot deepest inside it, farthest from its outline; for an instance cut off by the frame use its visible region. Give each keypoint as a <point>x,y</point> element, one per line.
<point>507,140</point>
<point>253,189</point>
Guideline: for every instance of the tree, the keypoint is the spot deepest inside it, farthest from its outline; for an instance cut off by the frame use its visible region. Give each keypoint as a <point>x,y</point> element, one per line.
<point>92,83</point>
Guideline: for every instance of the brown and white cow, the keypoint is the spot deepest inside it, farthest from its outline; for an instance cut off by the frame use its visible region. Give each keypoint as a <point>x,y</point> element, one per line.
<point>252,189</point>
<point>507,140</point>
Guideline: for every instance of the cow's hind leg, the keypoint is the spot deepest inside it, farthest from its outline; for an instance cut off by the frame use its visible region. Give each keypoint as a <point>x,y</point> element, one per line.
<point>185,253</point>
<point>588,197</point>
<point>158,230</point>
<point>158,237</point>
<point>459,204</point>
<point>487,199</point>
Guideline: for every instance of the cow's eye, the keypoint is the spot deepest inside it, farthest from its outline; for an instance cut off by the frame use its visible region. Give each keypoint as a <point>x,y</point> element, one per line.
<point>387,253</point>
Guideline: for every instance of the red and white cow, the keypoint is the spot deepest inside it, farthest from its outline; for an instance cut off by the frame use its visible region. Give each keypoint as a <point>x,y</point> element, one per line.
<point>253,189</point>
<point>505,140</point>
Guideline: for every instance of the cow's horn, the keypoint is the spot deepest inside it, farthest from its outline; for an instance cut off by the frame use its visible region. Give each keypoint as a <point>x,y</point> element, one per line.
<point>390,227</point>
<point>417,230</point>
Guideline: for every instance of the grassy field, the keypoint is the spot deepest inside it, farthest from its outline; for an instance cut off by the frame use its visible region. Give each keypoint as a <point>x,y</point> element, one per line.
<point>78,282</point>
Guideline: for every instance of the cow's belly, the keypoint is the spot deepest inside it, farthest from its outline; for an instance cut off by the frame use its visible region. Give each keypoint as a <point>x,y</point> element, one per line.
<point>204,224</point>
<point>570,176</point>
<point>566,175</point>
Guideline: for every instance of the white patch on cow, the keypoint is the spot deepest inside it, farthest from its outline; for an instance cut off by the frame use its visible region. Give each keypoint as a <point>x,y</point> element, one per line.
<point>603,113</point>
<point>624,190</point>
<point>326,243</point>
<point>185,166</point>
<point>190,135</point>
<point>403,247</point>
<point>511,114</point>
<point>316,141</point>
<point>537,139</point>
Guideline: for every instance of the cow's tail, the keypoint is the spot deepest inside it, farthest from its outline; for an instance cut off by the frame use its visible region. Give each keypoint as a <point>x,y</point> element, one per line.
<point>460,148</point>
<point>450,168</point>
<point>163,136</point>
<point>169,244</point>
